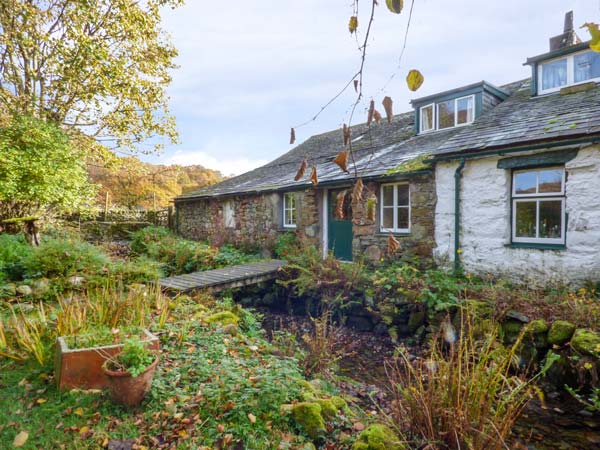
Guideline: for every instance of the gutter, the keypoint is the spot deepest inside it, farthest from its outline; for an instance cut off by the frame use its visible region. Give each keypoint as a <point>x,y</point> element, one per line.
<point>457,185</point>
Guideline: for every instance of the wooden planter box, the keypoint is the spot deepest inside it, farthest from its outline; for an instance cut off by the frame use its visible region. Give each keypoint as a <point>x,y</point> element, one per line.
<point>82,367</point>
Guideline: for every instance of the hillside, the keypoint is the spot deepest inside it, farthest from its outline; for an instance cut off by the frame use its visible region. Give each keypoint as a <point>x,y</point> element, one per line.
<point>134,183</point>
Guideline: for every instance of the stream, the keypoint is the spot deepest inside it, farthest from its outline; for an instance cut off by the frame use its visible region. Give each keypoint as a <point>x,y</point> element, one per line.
<point>559,424</point>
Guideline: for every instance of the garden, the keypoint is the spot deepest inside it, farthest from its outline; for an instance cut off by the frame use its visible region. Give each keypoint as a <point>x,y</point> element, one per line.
<point>330,356</point>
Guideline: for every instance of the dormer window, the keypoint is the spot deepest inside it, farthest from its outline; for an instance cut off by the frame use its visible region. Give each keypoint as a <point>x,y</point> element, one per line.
<point>449,114</point>
<point>568,70</point>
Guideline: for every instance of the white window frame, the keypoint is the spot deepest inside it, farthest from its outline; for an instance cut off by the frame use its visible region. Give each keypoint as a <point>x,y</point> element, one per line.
<point>570,73</point>
<point>433,118</point>
<point>456,124</point>
<point>293,208</point>
<point>395,207</point>
<point>537,198</point>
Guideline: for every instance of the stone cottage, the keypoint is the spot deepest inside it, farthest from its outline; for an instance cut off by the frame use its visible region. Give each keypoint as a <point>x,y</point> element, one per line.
<point>480,176</point>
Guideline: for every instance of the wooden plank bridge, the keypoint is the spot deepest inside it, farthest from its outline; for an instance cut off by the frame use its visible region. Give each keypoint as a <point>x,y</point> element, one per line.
<point>227,278</point>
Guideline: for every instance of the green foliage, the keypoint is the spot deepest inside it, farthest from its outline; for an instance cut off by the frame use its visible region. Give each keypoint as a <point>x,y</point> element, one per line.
<point>182,256</point>
<point>13,252</point>
<point>378,437</point>
<point>63,258</point>
<point>308,416</point>
<point>591,401</point>
<point>39,168</point>
<point>134,358</point>
<point>103,64</point>
<point>286,243</point>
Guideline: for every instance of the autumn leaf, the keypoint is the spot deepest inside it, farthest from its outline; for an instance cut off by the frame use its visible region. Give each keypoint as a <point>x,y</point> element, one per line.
<point>313,176</point>
<point>371,111</point>
<point>357,191</point>
<point>20,439</point>
<point>356,85</point>
<point>414,79</point>
<point>594,30</point>
<point>347,134</point>
<point>377,116</point>
<point>393,245</point>
<point>395,6</point>
<point>358,426</point>
<point>301,170</point>
<point>387,105</point>
<point>292,136</point>
<point>252,417</point>
<point>342,160</point>
<point>371,203</point>
<point>339,205</point>
<point>353,25</point>
<point>78,411</point>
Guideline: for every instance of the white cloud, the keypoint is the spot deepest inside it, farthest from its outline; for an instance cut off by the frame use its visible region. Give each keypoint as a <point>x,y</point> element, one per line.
<point>227,166</point>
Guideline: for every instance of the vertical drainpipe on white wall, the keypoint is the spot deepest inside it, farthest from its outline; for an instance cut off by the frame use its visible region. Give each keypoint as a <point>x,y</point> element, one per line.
<point>457,185</point>
<point>325,230</point>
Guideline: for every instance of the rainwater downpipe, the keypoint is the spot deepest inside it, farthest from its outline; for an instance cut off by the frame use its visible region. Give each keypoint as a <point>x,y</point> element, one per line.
<point>457,180</point>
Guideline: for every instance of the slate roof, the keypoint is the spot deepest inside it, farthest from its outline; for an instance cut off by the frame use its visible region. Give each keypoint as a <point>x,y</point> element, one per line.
<point>377,150</point>
<point>519,120</point>
<point>525,120</point>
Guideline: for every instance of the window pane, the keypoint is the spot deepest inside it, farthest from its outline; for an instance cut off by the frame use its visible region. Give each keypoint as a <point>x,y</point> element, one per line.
<point>551,219</point>
<point>403,195</point>
<point>464,111</point>
<point>525,183</point>
<point>403,218</point>
<point>427,118</point>
<point>446,114</point>
<point>388,218</point>
<point>388,196</point>
<point>554,74</point>
<point>550,180</point>
<point>525,226</point>
<point>587,66</point>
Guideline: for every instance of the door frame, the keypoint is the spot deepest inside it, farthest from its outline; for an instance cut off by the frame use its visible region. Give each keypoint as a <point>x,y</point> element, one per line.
<point>325,216</point>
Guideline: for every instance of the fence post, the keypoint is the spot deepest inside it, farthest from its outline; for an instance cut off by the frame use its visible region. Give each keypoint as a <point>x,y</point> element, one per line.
<point>170,223</point>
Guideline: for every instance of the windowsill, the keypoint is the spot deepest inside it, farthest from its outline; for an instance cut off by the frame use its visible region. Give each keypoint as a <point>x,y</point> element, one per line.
<point>288,228</point>
<point>536,246</point>
<point>394,233</point>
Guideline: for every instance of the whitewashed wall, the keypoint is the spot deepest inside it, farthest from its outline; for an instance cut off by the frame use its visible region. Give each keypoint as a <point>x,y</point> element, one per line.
<point>485,223</point>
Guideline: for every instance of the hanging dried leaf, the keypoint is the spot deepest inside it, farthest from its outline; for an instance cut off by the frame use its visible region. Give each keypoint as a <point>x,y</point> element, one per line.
<point>594,30</point>
<point>358,190</point>
<point>347,134</point>
<point>356,86</point>
<point>387,105</point>
<point>371,204</point>
<point>342,160</point>
<point>301,170</point>
<point>371,111</point>
<point>353,25</point>
<point>292,136</point>
<point>377,116</point>
<point>395,6</point>
<point>414,79</point>
<point>339,205</point>
<point>313,176</point>
<point>393,245</point>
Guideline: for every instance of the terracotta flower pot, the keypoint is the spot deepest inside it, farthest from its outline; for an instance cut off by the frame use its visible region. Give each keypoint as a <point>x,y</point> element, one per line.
<point>127,390</point>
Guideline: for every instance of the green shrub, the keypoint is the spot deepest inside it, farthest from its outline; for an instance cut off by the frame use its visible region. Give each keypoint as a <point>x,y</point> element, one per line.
<point>56,258</point>
<point>230,256</point>
<point>138,270</point>
<point>287,243</point>
<point>146,241</point>
<point>13,252</point>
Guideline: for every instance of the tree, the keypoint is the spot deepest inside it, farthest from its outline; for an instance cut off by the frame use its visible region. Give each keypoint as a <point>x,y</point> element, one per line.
<point>98,66</point>
<point>39,169</point>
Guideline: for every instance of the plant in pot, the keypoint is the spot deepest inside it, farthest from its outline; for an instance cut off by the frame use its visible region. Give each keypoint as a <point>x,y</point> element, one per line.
<point>130,372</point>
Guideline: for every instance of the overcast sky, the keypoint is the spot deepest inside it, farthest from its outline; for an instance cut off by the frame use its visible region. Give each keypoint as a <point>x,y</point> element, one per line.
<point>248,73</point>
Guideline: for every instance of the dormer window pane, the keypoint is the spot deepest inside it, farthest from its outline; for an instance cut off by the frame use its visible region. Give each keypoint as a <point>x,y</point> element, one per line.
<point>446,114</point>
<point>554,74</point>
<point>427,118</point>
<point>465,110</point>
<point>587,66</point>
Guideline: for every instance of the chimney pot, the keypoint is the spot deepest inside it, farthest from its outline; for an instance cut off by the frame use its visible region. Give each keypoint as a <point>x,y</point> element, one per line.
<point>568,37</point>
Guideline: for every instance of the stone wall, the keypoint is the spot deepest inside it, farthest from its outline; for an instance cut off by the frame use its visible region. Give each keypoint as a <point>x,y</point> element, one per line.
<point>256,220</point>
<point>372,244</point>
<point>486,229</point>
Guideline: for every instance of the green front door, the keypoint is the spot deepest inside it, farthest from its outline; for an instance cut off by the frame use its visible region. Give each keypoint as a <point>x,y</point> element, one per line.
<point>339,233</point>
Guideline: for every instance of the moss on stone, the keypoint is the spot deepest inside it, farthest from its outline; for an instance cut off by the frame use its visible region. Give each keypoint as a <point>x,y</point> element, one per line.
<point>328,409</point>
<point>560,332</point>
<point>511,330</point>
<point>416,319</point>
<point>224,318</point>
<point>417,164</point>
<point>339,402</point>
<point>378,437</point>
<point>586,342</point>
<point>538,326</point>
<point>308,416</point>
